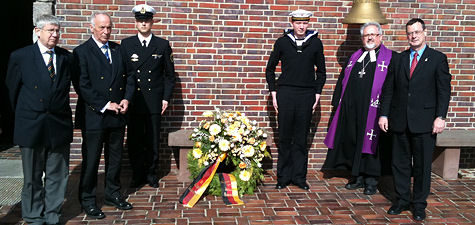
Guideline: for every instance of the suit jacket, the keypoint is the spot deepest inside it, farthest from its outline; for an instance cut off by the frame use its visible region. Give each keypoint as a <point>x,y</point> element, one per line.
<point>42,113</point>
<point>153,70</point>
<point>100,82</point>
<point>415,102</point>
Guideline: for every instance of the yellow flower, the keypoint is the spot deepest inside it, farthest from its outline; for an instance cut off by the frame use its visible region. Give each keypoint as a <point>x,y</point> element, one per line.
<point>251,141</point>
<point>248,151</point>
<point>208,114</point>
<point>245,175</point>
<point>224,145</point>
<point>198,144</point>
<point>263,145</point>
<point>242,165</point>
<point>206,125</point>
<point>211,138</point>
<point>214,129</point>
<point>197,153</point>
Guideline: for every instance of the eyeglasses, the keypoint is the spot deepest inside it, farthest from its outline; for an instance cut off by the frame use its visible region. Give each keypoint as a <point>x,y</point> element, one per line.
<point>370,35</point>
<point>416,33</point>
<point>52,31</point>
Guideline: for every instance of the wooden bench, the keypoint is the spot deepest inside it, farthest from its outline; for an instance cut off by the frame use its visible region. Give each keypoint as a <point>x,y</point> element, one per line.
<point>446,155</point>
<point>181,139</point>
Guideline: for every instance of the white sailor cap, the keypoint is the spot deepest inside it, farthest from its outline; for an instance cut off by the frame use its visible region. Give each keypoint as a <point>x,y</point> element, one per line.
<point>300,15</point>
<point>143,11</point>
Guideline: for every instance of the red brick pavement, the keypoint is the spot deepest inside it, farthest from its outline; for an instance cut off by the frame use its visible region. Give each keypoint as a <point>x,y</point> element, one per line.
<point>327,202</point>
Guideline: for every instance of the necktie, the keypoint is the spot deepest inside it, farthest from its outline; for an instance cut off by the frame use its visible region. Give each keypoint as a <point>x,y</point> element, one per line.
<point>144,43</point>
<point>106,53</point>
<point>413,64</point>
<point>50,65</point>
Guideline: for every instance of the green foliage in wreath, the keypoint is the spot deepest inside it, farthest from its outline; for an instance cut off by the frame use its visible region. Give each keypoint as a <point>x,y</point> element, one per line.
<point>231,133</point>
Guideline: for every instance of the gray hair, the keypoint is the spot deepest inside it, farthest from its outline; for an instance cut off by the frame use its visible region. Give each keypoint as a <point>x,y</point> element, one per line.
<point>376,24</point>
<point>93,16</point>
<point>44,20</point>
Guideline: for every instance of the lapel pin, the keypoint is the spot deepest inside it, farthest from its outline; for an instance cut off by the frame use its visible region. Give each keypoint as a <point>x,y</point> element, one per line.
<point>134,57</point>
<point>425,60</point>
<point>155,56</point>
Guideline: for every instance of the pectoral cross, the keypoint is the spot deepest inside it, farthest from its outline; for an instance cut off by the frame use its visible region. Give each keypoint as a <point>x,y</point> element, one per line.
<point>382,66</point>
<point>349,65</point>
<point>361,73</point>
<point>371,135</point>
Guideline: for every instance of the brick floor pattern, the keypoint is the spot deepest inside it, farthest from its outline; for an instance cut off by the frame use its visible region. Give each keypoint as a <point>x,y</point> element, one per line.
<point>327,202</point>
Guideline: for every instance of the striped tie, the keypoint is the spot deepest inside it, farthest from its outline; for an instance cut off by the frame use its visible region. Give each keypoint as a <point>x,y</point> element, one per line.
<point>106,53</point>
<point>50,65</point>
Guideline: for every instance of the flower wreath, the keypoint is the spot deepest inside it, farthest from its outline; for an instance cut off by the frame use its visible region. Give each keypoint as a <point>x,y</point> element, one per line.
<point>243,142</point>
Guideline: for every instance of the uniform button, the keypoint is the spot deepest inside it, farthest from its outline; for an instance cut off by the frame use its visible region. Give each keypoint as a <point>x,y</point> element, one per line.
<point>123,75</point>
<point>138,80</point>
<point>110,89</point>
<point>120,89</point>
<point>409,94</point>
<point>138,89</point>
<point>102,78</point>
<point>41,100</point>
<point>149,71</point>
<point>36,87</point>
<point>149,89</point>
<point>149,79</point>
<point>138,71</point>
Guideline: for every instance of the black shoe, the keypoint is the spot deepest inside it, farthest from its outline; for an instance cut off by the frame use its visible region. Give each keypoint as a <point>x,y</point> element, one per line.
<point>397,209</point>
<point>419,214</point>
<point>280,186</point>
<point>370,190</point>
<point>93,212</point>
<point>355,183</point>
<point>118,202</point>
<point>303,186</point>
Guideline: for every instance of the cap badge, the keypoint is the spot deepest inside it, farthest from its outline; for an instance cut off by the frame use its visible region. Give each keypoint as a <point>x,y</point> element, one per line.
<point>142,11</point>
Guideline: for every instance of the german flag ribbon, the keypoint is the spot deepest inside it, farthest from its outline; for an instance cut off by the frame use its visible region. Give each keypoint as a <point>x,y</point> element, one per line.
<point>229,189</point>
<point>199,185</point>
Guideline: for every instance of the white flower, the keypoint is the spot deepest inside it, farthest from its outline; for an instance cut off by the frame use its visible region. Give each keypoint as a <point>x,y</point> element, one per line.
<point>259,165</point>
<point>214,129</point>
<point>197,153</point>
<point>245,175</point>
<point>195,130</point>
<point>248,151</point>
<point>205,163</point>
<point>224,145</point>
<point>264,135</point>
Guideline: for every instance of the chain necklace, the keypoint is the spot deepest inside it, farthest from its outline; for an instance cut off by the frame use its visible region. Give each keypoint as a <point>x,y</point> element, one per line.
<point>362,72</point>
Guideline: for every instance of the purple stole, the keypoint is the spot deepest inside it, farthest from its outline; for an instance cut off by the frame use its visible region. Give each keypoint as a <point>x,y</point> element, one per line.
<point>372,130</point>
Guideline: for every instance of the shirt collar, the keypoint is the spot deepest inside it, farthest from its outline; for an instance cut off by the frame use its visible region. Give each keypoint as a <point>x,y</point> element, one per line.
<point>44,49</point>
<point>98,43</point>
<point>142,38</point>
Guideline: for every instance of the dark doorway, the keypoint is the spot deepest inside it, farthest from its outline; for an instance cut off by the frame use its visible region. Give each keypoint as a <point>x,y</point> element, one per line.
<point>18,18</point>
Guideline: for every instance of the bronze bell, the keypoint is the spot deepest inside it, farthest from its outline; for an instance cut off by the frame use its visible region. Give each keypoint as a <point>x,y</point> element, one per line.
<point>364,11</point>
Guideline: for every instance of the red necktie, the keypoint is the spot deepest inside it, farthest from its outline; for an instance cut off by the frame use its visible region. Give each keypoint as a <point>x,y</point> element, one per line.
<point>413,64</point>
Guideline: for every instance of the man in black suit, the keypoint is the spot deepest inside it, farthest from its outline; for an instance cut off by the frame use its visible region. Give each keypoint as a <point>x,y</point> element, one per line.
<point>104,95</point>
<point>38,81</point>
<point>414,104</point>
<point>149,60</point>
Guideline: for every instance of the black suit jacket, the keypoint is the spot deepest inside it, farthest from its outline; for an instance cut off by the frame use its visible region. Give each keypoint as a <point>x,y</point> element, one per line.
<point>100,82</point>
<point>415,102</point>
<point>42,112</point>
<point>153,70</point>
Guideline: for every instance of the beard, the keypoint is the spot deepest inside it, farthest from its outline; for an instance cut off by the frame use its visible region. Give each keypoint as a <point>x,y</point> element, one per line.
<point>370,46</point>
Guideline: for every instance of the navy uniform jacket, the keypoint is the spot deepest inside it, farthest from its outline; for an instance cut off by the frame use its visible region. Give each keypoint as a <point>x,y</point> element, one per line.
<point>42,113</point>
<point>298,62</point>
<point>415,102</point>
<point>153,70</point>
<point>100,82</point>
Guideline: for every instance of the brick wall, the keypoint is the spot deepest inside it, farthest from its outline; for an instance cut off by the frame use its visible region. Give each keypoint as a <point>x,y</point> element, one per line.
<point>221,48</point>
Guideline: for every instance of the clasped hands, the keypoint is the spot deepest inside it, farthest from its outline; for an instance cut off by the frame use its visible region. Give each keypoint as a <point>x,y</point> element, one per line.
<point>121,108</point>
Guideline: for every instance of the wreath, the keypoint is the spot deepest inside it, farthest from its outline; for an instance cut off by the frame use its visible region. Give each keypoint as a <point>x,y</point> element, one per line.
<point>233,134</point>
